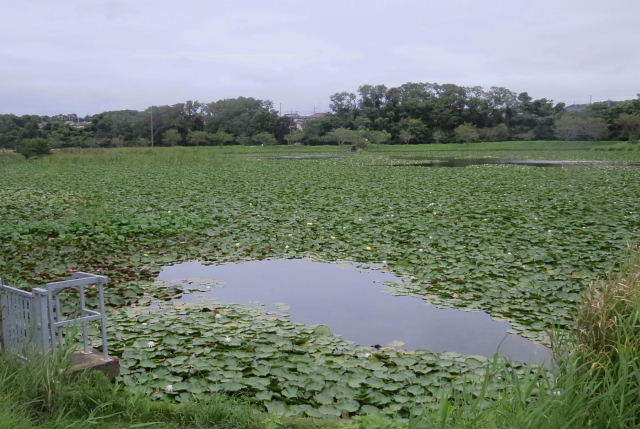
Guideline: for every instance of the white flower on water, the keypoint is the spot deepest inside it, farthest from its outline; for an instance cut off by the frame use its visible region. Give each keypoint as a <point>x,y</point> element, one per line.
<point>366,355</point>
<point>218,316</point>
<point>227,339</point>
<point>286,246</point>
<point>169,388</point>
<point>151,344</point>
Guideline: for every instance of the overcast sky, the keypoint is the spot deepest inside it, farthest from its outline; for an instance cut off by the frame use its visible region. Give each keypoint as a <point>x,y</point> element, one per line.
<point>88,56</point>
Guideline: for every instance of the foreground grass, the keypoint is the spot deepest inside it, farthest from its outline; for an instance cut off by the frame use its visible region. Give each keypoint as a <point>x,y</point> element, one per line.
<point>596,384</point>
<point>43,393</point>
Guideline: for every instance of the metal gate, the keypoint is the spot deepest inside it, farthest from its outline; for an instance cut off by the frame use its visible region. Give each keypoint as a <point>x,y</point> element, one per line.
<point>32,322</point>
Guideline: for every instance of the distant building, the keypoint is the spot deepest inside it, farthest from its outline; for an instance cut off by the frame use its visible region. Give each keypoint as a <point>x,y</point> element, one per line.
<point>300,120</point>
<point>77,124</point>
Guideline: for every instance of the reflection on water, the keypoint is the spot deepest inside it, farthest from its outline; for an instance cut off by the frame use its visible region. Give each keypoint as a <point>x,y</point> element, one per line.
<point>353,303</point>
<point>466,162</point>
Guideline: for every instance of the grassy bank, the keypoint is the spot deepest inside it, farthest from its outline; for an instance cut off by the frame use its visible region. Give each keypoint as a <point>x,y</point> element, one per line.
<point>596,385</point>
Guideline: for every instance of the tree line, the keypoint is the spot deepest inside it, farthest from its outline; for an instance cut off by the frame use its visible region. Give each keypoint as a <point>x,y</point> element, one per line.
<point>409,113</point>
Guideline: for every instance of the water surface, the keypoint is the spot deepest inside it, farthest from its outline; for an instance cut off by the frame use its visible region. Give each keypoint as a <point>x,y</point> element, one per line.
<point>354,303</point>
<point>466,162</point>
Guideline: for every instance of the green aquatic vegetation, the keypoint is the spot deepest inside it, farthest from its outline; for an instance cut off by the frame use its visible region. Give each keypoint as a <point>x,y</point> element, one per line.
<point>518,242</point>
<point>191,351</point>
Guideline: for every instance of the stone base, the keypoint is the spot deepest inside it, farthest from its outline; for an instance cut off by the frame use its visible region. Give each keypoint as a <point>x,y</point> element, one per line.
<point>94,361</point>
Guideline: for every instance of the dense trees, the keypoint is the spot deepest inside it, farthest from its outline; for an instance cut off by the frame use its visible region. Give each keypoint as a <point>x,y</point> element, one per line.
<point>415,112</point>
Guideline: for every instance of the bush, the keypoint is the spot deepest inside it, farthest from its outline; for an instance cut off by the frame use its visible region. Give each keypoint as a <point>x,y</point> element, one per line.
<point>375,137</point>
<point>264,138</point>
<point>629,126</point>
<point>440,136</point>
<point>221,138</point>
<point>294,137</point>
<point>171,137</point>
<point>199,138</point>
<point>467,133</point>
<point>243,140</point>
<point>33,148</point>
<point>415,131</point>
<point>495,134</point>
<point>573,127</point>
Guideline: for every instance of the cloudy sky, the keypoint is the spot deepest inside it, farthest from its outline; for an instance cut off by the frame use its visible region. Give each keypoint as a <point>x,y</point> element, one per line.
<point>93,55</point>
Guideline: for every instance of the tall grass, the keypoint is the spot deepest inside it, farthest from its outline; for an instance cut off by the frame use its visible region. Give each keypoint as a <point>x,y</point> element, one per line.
<point>43,393</point>
<point>596,379</point>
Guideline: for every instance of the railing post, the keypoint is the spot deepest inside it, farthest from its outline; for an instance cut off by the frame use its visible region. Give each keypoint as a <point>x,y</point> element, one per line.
<point>42,322</point>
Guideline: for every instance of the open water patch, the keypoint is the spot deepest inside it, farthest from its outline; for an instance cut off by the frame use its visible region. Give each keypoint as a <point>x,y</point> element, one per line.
<point>353,302</point>
<point>311,156</point>
<point>467,162</point>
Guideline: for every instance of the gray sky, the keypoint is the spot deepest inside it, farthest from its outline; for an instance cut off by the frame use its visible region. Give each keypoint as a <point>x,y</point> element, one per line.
<point>88,56</point>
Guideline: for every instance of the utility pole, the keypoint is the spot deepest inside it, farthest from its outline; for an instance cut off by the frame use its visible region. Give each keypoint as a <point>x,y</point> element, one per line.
<point>280,114</point>
<point>590,98</point>
<point>151,126</point>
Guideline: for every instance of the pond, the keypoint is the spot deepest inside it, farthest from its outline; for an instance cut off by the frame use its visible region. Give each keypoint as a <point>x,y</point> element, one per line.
<point>466,162</point>
<point>353,302</point>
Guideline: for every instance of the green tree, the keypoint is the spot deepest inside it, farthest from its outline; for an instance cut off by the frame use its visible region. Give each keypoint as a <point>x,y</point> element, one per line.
<point>495,134</point>
<point>375,137</point>
<point>221,138</point>
<point>405,136</point>
<point>199,138</point>
<point>467,133</point>
<point>344,105</point>
<point>171,137</point>
<point>33,148</point>
<point>242,116</point>
<point>264,139</point>
<point>575,127</point>
<point>340,136</point>
<point>439,136</point>
<point>629,126</point>
<point>415,128</point>
<point>294,137</point>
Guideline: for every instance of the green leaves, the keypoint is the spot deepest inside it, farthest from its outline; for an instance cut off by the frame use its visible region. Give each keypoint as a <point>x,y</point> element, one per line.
<point>269,364</point>
<point>518,242</point>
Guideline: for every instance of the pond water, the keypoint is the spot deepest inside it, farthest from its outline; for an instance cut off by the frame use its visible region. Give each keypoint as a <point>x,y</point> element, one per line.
<point>466,162</point>
<point>353,302</point>
<point>311,156</point>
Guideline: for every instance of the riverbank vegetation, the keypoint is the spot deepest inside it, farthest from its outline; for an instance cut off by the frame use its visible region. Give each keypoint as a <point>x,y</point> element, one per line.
<point>412,113</point>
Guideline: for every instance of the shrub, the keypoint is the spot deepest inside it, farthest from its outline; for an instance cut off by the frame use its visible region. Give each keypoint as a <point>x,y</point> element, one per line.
<point>294,137</point>
<point>375,137</point>
<point>405,136</point>
<point>467,133</point>
<point>171,137</point>
<point>199,138</point>
<point>572,127</point>
<point>265,139</point>
<point>439,136</point>
<point>243,140</point>
<point>33,148</point>
<point>495,134</point>
<point>221,138</point>
<point>415,131</point>
<point>629,126</point>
